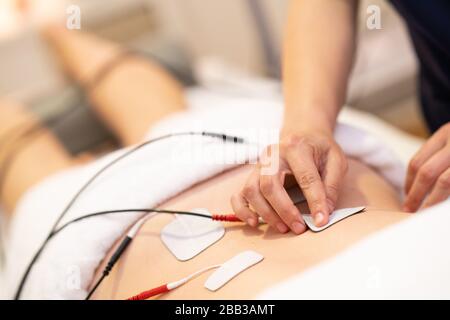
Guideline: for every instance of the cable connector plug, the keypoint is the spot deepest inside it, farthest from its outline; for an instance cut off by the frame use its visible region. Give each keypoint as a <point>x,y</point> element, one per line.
<point>231,218</point>
<point>224,137</point>
<point>225,217</point>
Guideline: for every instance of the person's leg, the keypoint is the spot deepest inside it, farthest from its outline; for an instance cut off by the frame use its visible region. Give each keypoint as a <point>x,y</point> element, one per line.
<point>131,96</point>
<point>39,157</point>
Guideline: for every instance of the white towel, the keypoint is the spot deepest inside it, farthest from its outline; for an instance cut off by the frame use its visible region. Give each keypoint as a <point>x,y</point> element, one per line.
<point>408,260</point>
<point>146,179</point>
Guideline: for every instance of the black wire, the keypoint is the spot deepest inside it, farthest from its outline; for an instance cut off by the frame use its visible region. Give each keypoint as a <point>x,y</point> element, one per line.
<point>23,138</point>
<point>37,128</point>
<point>124,155</point>
<point>24,278</point>
<point>100,213</point>
<point>97,284</point>
<point>23,132</point>
<point>125,242</point>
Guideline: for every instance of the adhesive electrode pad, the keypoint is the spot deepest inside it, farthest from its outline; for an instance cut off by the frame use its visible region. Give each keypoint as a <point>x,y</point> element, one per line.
<point>335,216</point>
<point>296,195</point>
<point>232,268</point>
<point>187,236</point>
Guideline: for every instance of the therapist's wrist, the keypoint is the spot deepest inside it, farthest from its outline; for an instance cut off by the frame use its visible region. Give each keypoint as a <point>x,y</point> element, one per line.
<point>317,122</point>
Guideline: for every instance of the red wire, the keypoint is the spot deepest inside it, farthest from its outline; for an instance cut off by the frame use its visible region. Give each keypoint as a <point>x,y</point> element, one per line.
<point>150,293</point>
<point>225,217</point>
<point>163,289</point>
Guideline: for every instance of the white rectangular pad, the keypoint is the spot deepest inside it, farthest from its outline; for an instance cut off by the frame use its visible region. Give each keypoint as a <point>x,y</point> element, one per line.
<point>335,216</point>
<point>296,195</point>
<point>187,236</point>
<point>232,268</point>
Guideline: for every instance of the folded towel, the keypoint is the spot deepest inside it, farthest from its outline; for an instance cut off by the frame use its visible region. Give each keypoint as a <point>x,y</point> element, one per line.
<point>146,179</point>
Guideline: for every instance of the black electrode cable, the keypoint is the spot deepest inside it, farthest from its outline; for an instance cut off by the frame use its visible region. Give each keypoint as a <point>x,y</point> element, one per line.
<point>125,242</point>
<point>224,137</point>
<point>101,213</point>
<point>30,133</point>
<point>97,284</point>
<point>133,150</point>
<point>24,133</point>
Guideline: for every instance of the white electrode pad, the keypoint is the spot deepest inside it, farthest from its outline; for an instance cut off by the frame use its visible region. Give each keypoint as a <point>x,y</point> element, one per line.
<point>335,216</point>
<point>296,195</point>
<point>232,268</point>
<point>187,236</point>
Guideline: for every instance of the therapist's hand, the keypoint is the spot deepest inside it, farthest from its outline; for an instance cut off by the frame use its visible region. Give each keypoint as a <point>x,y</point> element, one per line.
<point>318,165</point>
<point>428,179</point>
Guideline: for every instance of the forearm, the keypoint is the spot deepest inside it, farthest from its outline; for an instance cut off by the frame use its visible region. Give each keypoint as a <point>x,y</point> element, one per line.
<point>318,55</point>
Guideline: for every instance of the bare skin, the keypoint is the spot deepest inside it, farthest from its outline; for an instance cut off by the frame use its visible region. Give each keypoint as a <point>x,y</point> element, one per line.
<point>147,262</point>
<point>428,179</point>
<point>133,96</point>
<point>317,58</point>
<point>147,258</point>
<point>41,157</point>
<point>319,47</point>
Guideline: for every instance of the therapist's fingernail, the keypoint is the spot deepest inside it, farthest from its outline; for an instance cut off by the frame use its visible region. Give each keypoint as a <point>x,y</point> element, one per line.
<point>298,227</point>
<point>319,219</point>
<point>282,227</point>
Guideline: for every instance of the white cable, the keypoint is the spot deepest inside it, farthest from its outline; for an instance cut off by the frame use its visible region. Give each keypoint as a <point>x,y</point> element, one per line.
<point>176,284</point>
<point>137,226</point>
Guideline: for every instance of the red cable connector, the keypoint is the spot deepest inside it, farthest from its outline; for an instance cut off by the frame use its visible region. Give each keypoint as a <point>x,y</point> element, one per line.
<point>225,217</point>
<point>169,286</point>
<point>150,293</point>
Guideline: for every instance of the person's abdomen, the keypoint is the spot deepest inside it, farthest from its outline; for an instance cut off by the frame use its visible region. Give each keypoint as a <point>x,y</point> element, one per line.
<point>147,262</point>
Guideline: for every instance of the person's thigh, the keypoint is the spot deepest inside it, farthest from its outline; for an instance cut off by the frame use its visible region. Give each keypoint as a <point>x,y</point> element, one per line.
<point>26,162</point>
<point>148,263</point>
<point>129,93</point>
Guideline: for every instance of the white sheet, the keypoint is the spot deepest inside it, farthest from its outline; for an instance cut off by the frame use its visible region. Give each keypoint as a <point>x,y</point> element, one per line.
<point>409,260</point>
<point>67,266</point>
